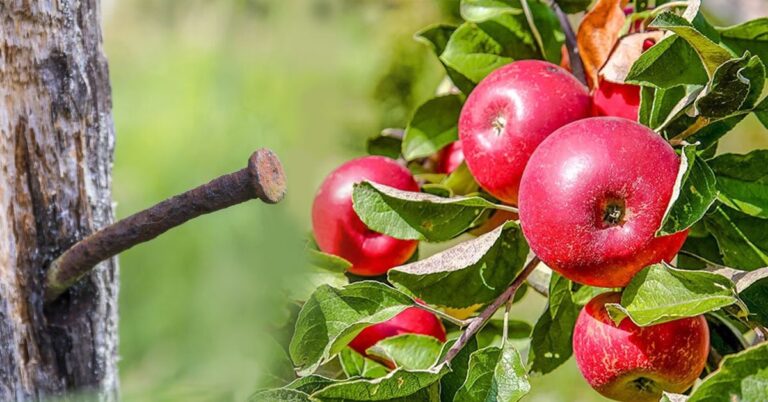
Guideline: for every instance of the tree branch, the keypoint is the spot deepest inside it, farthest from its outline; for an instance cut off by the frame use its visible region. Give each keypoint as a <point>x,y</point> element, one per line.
<point>478,322</point>
<point>577,67</point>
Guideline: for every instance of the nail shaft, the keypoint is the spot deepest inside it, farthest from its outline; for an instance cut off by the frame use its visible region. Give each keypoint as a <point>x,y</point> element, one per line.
<point>263,178</point>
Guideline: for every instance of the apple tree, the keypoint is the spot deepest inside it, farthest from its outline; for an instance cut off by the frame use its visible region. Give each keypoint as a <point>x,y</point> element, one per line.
<point>581,164</point>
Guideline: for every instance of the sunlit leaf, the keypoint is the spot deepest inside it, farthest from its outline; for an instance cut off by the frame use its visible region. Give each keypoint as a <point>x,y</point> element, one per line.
<point>472,272</point>
<point>660,293</point>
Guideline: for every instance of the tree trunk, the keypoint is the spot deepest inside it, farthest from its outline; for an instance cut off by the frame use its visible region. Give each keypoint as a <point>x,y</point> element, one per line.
<point>56,149</point>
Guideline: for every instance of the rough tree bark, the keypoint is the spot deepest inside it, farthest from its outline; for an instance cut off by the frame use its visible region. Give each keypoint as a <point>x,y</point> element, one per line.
<point>56,143</point>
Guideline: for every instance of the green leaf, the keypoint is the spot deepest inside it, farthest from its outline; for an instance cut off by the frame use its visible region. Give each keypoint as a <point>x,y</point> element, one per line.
<point>660,293</point>
<point>669,63</point>
<point>497,33</point>
<point>433,126</point>
<point>694,192</point>
<point>461,181</point>
<point>495,375</point>
<point>753,290</point>
<point>733,84</point>
<point>473,54</point>
<point>551,340</point>
<point>328,262</point>
<point>513,30</point>
<point>356,365</point>
<point>409,351</point>
<point>436,36</point>
<point>281,394</point>
<point>310,384</point>
<point>559,292</point>
<point>742,376</point>
<point>473,272</point>
<point>697,252</point>
<point>552,36</point>
<point>384,145</point>
<point>761,111</point>
<point>647,99</point>
<point>399,385</point>
<point>414,215</point>
<point>743,181</point>
<point>332,317</point>
<point>663,103</point>
<point>749,36</point>
<point>710,53</point>
<point>742,239</point>
<point>573,6</point>
<point>754,297</point>
<point>483,10</point>
<point>454,379</point>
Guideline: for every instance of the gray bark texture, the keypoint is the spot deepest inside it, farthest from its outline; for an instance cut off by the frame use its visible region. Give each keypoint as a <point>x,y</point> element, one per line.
<point>56,150</point>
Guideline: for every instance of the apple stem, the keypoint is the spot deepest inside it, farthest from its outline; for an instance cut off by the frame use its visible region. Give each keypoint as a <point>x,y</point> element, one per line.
<point>478,322</point>
<point>577,66</point>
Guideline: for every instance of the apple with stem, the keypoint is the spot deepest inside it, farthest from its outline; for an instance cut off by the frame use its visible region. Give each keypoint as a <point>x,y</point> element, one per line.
<point>339,231</point>
<point>412,320</point>
<point>593,196</point>
<point>636,364</point>
<point>509,114</point>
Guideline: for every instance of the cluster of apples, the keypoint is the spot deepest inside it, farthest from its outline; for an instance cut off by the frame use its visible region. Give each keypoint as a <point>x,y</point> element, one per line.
<point>591,189</point>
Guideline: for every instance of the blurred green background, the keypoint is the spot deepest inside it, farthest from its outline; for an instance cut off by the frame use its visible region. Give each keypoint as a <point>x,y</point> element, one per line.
<point>198,85</point>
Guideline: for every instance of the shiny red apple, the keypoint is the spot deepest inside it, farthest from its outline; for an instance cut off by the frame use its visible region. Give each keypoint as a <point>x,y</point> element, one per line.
<point>412,320</point>
<point>509,114</point>
<point>339,231</point>
<point>593,196</point>
<point>636,364</point>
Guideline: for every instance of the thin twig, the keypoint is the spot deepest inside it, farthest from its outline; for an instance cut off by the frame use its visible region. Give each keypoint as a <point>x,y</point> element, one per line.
<point>577,66</point>
<point>442,314</point>
<point>478,322</point>
<point>697,125</point>
<point>505,329</point>
<point>534,30</point>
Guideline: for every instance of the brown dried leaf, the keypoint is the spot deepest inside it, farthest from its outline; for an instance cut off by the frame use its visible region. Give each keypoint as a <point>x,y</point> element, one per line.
<point>598,33</point>
<point>626,52</point>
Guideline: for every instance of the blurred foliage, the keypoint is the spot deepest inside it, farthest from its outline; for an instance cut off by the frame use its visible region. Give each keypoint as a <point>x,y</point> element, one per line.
<point>198,85</point>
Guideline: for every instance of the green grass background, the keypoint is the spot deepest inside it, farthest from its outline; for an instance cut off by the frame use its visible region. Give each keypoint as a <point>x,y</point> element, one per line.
<point>198,85</point>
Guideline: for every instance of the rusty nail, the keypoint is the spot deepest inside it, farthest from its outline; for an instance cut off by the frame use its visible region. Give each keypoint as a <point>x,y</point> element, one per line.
<point>263,178</point>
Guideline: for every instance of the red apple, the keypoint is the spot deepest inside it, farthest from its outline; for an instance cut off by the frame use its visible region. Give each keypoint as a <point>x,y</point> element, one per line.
<point>618,99</point>
<point>412,320</point>
<point>509,114</point>
<point>449,158</point>
<point>630,363</point>
<point>339,231</point>
<point>592,197</point>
